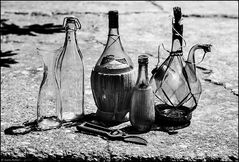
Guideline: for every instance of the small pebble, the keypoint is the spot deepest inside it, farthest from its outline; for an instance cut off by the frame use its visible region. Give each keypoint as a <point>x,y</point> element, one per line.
<point>25,72</point>
<point>71,136</point>
<point>68,131</point>
<point>183,146</point>
<point>24,143</point>
<point>31,150</point>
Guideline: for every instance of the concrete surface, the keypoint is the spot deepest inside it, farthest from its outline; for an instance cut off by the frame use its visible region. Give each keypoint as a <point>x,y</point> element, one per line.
<point>213,133</point>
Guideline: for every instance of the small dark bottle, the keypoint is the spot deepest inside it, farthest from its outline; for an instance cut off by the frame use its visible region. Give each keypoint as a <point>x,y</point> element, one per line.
<point>142,114</point>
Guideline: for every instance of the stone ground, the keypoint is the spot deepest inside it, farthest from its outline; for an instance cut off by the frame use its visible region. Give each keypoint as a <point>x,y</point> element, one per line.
<point>213,133</point>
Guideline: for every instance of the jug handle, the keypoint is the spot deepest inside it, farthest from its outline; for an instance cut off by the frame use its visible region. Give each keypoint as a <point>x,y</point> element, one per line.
<point>206,48</point>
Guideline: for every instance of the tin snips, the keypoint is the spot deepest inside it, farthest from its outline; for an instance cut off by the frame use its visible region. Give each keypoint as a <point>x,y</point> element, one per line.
<point>111,134</point>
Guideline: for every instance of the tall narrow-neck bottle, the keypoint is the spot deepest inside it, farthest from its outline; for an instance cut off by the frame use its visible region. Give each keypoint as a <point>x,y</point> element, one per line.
<point>142,113</point>
<point>112,78</point>
<point>172,91</point>
<point>70,75</point>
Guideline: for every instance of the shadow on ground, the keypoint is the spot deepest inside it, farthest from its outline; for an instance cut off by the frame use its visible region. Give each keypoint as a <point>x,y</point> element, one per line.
<point>5,60</point>
<point>49,28</point>
<point>31,126</point>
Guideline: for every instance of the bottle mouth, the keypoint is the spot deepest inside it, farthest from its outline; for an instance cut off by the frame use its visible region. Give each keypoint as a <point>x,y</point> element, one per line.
<point>143,59</point>
<point>69,21</point>
<point>113,12</point>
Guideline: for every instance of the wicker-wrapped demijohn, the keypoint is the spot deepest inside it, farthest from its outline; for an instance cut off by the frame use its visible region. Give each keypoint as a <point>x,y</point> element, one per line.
<point>113,77</point>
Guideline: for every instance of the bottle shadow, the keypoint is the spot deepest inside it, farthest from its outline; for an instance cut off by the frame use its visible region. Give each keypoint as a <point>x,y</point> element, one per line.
<point>92,118</point>
<point>167,127</point>
<point>30,126</point>
<point>48,28</point>
<point>5,58</point>
<point>170,129</point>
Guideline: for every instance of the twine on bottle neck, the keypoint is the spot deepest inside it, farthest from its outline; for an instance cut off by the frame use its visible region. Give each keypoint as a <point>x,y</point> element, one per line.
<point>178,52</point>
<point>112,37</point>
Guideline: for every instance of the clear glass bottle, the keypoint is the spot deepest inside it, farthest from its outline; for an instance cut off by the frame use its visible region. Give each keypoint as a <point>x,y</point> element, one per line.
<point>70,74</point>
<point>47,111</point>
<point>142,113</point>
<point>113,78</point>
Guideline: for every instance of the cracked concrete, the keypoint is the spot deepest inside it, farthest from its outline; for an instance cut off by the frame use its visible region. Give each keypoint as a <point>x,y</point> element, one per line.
<point>213,132</point>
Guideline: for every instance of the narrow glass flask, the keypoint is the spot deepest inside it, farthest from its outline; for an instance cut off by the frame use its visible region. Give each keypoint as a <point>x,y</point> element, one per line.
<point>142,114</point>
<point>70,75</point>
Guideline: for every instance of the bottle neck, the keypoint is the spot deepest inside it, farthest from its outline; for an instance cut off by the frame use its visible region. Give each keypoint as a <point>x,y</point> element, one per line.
<point>70,38</point>
<point>114,38</point>
<point>113,35</point>
<point>143,80</point>
<point>177,40</point>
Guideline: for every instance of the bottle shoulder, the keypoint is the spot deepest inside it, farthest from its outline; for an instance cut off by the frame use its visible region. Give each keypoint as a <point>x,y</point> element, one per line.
<point>101,69</point>
<point>114,62</point>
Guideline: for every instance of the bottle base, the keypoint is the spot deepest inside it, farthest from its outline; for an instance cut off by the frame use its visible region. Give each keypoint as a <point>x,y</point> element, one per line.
<point>47,123</point>
<point>70,116</point>
<point>142,128</point>
<point>169,118</point>
<point>111,117</point>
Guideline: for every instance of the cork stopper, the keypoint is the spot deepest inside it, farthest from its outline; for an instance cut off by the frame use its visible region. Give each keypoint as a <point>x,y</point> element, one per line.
<point>177,20</point>
<point>113,19</point>
<point>177,31</point>
<point>177,14</point>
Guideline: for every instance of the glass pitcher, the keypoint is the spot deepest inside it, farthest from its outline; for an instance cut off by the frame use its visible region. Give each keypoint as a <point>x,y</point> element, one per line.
<point>177,87</point>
